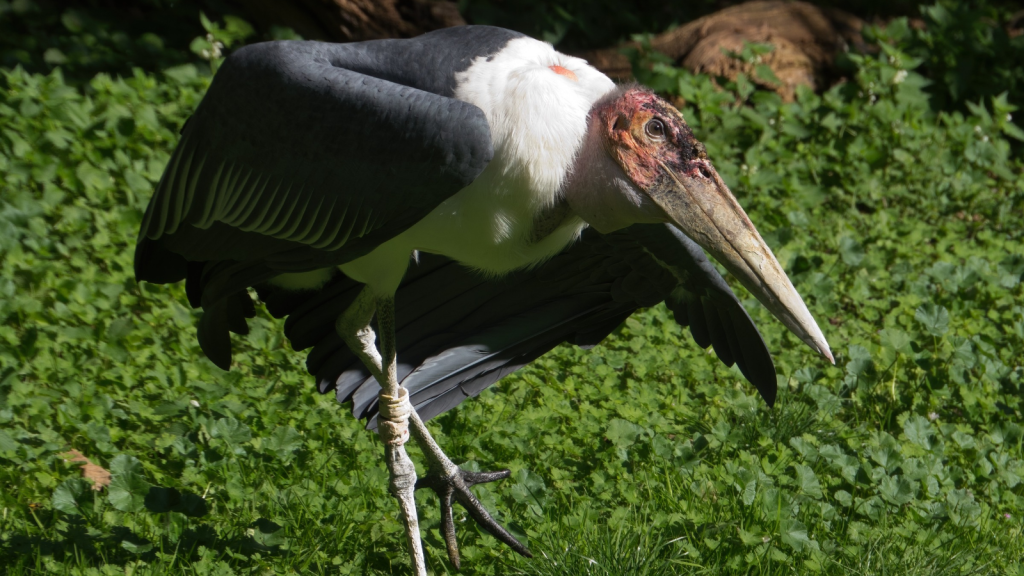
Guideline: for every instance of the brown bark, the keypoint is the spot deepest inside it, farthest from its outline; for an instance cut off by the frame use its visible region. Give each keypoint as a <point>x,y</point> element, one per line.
<point>805,40</point>
<point>352,20</point>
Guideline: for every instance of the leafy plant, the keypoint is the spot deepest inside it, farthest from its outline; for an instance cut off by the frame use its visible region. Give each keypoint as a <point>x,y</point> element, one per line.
<point>211,46</point>
<point>898,220</point>
<point>966,48</point>
<point>84,39</point>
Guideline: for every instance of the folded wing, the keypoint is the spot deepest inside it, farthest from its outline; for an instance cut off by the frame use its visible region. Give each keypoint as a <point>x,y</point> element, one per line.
<point>459,332</point>
<point>304,155</point>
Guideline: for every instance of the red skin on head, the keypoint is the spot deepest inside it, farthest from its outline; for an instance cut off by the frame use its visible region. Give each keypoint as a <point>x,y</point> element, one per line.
<point>624,123</point>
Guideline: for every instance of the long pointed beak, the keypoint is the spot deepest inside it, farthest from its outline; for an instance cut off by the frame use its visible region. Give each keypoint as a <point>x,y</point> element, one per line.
<point>703,208</point>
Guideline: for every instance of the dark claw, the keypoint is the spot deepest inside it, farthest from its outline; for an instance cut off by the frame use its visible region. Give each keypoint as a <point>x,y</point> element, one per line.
<point>457,486</point>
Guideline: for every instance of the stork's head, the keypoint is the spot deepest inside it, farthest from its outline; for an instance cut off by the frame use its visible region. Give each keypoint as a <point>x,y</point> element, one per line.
<point>641,163</point>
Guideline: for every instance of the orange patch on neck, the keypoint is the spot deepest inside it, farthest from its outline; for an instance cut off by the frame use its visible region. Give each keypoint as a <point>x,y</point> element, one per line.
<point>564,72</point>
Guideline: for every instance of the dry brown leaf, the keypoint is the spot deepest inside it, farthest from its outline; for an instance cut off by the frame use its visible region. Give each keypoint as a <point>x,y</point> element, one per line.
<point>97,475</point>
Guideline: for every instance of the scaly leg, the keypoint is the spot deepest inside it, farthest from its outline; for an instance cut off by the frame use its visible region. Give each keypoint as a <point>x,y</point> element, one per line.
<point>354,327</point>
<point>445,478</point>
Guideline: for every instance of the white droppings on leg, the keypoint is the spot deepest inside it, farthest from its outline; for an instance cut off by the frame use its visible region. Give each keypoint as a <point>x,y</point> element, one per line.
<point>393,424</point>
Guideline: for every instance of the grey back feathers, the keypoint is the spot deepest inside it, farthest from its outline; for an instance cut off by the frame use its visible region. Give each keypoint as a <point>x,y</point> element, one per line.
<point>459,332</point>
<point>304,155</point>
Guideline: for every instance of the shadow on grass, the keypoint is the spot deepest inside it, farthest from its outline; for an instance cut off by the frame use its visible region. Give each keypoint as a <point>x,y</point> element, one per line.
<point>75,540</point>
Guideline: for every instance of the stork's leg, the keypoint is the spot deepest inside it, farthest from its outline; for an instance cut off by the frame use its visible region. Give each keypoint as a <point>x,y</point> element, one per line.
<point>449,481</point>
<point>445,478</point>
<point>354,327</point>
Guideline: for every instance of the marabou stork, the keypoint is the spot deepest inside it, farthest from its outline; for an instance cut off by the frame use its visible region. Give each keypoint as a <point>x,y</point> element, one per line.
<point>454,175</point>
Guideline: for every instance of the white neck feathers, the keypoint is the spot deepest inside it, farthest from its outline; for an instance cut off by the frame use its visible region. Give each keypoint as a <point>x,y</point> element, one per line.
<point>537,115</point>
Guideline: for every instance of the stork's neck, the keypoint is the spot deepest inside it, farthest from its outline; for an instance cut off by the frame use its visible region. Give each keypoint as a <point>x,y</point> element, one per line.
<point>549,219</point>
<point>598,190</point>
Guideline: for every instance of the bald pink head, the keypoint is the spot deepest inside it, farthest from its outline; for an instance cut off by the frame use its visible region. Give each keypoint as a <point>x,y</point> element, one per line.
<point>644,133</point>
<point>648,166</point>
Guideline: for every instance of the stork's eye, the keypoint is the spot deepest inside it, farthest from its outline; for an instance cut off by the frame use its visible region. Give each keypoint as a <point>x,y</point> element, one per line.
<point>655,129</point>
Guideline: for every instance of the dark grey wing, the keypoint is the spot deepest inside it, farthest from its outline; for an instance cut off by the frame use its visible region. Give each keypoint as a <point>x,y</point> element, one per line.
<point>703,301</point>
<point>304,155</point>
<point>459,332</point>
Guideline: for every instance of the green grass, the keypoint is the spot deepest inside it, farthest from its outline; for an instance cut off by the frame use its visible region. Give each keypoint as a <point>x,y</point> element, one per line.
<point>900,224</point>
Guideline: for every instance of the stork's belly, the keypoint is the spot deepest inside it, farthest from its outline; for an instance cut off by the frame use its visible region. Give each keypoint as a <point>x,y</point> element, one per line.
<point>494,246</point>
<point>471,243</point>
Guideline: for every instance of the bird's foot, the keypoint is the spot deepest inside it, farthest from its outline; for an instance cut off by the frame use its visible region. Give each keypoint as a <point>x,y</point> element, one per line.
<point>397,419</point>
<point>456,486</point>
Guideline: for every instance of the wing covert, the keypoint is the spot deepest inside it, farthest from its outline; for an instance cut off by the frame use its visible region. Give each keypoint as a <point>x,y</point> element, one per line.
<point>308,154</point>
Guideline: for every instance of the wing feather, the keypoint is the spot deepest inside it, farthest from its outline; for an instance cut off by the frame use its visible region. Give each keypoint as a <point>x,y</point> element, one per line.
<point>458,331</point>
<point>322,147</point>
<point>306,155</point>
<point>193,179</point>
<point>204,220</point>
<point>164,197</point>
<point>180,196</point>
<point>255,220</point>
<point>243,209</point>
